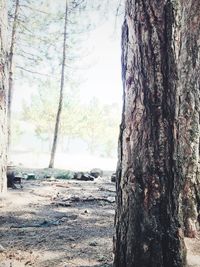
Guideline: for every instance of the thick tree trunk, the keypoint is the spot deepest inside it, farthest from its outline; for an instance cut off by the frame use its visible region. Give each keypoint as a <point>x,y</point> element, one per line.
<point>188,114</point>
<point>3,95</point>
<point>11,53</point>
<point>60,104</point>
<point>150,175</point>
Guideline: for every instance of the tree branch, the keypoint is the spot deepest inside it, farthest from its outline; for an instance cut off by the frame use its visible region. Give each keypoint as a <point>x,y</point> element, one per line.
<point>33,72</point>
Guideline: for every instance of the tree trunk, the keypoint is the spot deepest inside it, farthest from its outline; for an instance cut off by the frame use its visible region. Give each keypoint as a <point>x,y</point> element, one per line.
<point>57,124</point>
<point>189,108</point>
<point>3,95</point>
<point>150,174</point>
<point>10,84</point>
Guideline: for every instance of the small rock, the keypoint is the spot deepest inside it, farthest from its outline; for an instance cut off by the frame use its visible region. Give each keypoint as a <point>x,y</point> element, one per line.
<point>113,177</point>
<point>93,244</point>
<point>101,258</point>
<point>96,173</point>
<point>71,239</point>
<point>47,176</point>
<point>2,249</point>
<point>83,176</point>
<point>84,212</point>
<point>77,175</point>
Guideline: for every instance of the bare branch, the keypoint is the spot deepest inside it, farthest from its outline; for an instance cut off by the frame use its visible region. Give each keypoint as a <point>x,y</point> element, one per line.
<point>33,72</point>
<point>35,9</point>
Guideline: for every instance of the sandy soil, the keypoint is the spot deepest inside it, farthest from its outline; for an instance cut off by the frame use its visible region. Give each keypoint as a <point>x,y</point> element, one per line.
<point>58,223</point>
<point>62,223</point>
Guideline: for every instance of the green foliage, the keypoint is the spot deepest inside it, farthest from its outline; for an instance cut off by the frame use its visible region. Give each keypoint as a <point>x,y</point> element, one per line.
<point>94,123</point>
<point>38,57</point>
<point>100,127</point>
<point>65,175</point>
<point>42,110</point>
<point>31,176</point>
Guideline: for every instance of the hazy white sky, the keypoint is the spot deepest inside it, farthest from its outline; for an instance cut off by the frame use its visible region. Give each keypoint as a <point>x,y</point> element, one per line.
<point>103,78</point>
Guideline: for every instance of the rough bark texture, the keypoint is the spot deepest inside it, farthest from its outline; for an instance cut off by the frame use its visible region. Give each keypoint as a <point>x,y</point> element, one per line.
<point>188,114</point>
<point>11,53</point>
<point>156,45</point>
<point>60,104</point>
<point>3,95</point>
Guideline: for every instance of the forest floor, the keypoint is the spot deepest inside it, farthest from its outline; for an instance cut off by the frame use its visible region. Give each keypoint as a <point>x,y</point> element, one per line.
<point>68,223</point>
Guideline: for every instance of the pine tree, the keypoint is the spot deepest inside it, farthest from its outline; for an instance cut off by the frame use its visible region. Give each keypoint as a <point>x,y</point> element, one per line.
<point>3,94</point>
<point>161,111</point>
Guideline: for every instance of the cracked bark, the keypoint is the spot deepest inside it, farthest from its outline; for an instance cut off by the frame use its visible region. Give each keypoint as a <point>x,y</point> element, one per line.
<point>188,115</point>
<point>152,167</point>
<point>3,95</point>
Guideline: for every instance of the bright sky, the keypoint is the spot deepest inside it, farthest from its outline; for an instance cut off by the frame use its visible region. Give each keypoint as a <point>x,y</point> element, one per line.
<point>103,78</point>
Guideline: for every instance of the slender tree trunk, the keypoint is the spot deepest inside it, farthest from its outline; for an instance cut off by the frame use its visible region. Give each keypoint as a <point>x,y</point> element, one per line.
<point>3,95</point>
<point>150,174</point>
<point>12,48</point>
<point>57,124</point>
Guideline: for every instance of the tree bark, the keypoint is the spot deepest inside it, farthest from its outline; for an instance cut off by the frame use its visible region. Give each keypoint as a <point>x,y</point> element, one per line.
<point>151,174</point>
<point>57,123</point>
<point>11,53</point>
<point>3,95</point>
<point>188,115</point>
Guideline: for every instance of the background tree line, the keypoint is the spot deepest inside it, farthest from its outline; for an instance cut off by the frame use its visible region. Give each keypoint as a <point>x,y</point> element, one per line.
<point>36,34</point>
<point>158,167</point>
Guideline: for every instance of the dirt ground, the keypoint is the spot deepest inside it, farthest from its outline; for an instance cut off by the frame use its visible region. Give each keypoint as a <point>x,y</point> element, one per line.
<point>54,223</point>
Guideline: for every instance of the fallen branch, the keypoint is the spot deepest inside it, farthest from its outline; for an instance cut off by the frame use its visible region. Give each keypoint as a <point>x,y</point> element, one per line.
<point>99,199</point>
<point>62,204</point>
<point>43,224</point>
<point>89,199</point>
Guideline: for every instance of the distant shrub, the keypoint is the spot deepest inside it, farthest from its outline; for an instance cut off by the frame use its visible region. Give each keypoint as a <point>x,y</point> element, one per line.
<point>30,176</point>
<point>67,175</point>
